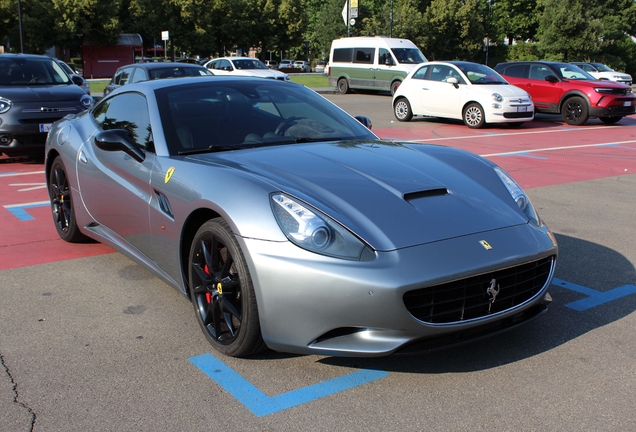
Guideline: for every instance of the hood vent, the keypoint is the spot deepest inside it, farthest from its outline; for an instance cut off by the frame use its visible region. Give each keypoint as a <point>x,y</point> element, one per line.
<point>425,194</point>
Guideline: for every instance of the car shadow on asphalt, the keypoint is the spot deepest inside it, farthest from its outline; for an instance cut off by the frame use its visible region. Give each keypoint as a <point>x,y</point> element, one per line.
<point>580,262</point>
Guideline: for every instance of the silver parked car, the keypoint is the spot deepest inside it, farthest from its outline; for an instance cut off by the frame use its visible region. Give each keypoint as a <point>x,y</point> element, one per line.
<point>288,224</point>
<point>35,92</point>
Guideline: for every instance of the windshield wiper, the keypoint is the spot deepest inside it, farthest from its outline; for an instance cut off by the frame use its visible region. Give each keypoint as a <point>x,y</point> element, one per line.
<point>211,149</point>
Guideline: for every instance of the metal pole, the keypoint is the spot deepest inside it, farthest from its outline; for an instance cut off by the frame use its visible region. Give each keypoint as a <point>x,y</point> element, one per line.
<point>391,21</point>
<point>20,25</point>
<point>348,17</point>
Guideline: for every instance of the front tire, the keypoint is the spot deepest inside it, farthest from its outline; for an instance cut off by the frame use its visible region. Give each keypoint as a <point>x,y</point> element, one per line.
<point>222,292</point>
<point>474,116</point>
<point>575,111</point>
<point>611,120</point>
<point>343,86</point>
<point>62,204</point>
<point>402,110</point>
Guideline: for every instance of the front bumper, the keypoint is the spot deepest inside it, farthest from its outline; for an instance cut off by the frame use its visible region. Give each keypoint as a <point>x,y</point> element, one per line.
<point>310,304</point>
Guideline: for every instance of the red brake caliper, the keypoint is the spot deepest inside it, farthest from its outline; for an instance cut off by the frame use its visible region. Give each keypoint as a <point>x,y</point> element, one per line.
<point>208,295</point>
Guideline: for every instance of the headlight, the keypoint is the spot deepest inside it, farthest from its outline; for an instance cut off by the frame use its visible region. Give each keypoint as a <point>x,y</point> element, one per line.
<point>519,196</point>
<point>316,232</point>
<point>86,101</point>
<point>603,90</point>
<point>497,97</point>
<point>5,105</point>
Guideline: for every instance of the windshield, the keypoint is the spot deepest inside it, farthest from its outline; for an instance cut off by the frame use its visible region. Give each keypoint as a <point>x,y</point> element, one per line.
<point>408,55</point>
<point>570,71</point>
<point>31,71</point>
<point>602,68</point>
<point>224,115</point>
<point>249,64</point>
<point>480,74</point>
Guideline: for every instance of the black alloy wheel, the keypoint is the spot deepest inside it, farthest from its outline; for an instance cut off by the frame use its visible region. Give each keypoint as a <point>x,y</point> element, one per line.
<point>575,111</point>
<point>222,292</point>
<point>62,204</point>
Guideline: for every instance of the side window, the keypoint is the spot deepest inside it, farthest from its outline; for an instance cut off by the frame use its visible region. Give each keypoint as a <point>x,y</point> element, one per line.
<point>125,76</point>
<point>342,55</point>
<point>517,71</point>
<point>117,76</point>
<point>384,56</point>
<point>539,72</point>
<point>363,55</point>
<point>441,73</point>
<point>421,73</point>
<point>140,75</point>
<point>128,111</point>
<point>225,65</point>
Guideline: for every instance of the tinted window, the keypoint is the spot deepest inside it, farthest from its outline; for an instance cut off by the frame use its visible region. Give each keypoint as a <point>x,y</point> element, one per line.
<point>124,76</point>
<point>385,56</point>
<point>343,55</point>
<point>139,75</point>
<point>128,111</point>
<point>33,71</point>
<point>517,71</point>
<point>540,72</point>
<point>364,55</point>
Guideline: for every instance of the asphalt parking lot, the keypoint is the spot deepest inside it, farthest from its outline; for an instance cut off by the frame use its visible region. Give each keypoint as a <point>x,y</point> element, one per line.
<point>91,341</point>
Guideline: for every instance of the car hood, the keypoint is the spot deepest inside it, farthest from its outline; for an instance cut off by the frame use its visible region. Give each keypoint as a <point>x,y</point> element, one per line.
<point>505,90</point>
<point>391,195</point>
<point>39,93</point>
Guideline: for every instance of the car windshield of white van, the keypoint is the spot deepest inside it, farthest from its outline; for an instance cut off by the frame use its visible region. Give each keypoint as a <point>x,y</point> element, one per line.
<point>408,55</point>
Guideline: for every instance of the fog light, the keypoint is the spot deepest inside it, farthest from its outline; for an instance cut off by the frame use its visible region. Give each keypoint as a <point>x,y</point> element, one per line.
<point>496,106</point>
<point>5,139</point>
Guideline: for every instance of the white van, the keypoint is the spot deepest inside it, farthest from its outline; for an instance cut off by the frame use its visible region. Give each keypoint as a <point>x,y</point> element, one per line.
<point>372,63</point>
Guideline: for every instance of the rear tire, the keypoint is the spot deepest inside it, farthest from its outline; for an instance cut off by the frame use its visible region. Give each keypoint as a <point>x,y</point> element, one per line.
<point>575,111</point>
<point>343,86</point>
<point>402,110</point>
<point>394,86</point>
<point>62,204</point>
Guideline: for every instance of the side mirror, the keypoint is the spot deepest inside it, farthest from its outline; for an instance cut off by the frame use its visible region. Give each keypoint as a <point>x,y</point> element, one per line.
<point>119,140</point>
<point>77,80</point>
<point>551,79</point>
<point>453,81</point>
<point>388,61</point>
<point>366,121</point>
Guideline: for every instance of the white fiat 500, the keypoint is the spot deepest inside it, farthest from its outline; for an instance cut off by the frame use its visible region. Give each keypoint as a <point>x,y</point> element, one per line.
<point>468,91</point>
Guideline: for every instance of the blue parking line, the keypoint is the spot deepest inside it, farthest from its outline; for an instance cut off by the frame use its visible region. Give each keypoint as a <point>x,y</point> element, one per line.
<point>594,298</point>
<point>19,210</point>
<point>260,404</point>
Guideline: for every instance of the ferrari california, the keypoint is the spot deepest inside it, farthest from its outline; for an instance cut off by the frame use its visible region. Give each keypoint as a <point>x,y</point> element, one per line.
<point>289,225</point>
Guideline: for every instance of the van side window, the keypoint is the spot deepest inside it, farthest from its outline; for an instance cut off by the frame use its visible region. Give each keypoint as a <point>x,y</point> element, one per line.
<point>384,56</point>
<point>344,55</point>
<point>364,55</point>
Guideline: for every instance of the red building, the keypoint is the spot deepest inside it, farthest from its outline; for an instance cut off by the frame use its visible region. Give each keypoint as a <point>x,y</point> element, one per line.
<point>103,61</point>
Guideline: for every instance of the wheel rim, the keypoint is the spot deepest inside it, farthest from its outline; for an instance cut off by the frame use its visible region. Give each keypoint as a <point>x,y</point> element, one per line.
<point>473,116</point>
<point>61,199</point>
<point>401,110</point>
<point>574,111</point>
<point>217,290</point>
<point>342,86</point>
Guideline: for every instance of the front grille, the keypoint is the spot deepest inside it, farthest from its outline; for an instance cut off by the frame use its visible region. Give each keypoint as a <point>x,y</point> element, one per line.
<point>468,298</point>
<point>40,120</point>
<point>515,115</point>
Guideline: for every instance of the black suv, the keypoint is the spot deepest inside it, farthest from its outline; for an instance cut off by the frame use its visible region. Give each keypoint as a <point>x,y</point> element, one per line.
<point>566,89</point>
<point>35,92</point>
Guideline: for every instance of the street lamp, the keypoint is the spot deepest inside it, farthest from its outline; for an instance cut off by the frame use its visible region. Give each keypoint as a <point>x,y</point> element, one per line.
<point>20,25</point>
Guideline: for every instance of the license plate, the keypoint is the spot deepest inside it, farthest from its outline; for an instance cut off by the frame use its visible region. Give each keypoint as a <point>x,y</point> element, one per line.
<point>45,127</point>
<point>627,103</point>
<point>522,109</point>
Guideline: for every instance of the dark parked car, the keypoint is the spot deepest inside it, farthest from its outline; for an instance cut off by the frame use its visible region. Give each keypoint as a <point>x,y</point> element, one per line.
<point>566,89</point>
<point>35,92</point>
<point>138,72</point>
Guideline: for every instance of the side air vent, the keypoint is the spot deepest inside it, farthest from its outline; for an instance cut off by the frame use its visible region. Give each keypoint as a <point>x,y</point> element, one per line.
<point>425,194</point>
<point>164,204</point>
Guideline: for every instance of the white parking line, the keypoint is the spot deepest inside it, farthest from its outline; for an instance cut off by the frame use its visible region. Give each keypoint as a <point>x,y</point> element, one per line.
<point>559,148</point>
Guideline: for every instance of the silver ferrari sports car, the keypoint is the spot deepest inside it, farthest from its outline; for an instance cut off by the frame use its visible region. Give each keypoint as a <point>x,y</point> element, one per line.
<point>288,224</point>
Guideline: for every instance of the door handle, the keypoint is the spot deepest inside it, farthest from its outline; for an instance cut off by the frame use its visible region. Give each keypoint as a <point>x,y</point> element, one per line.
<point>82,157</point>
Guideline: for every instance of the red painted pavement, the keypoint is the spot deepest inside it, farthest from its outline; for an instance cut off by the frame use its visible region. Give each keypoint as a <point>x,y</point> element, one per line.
<point>541,153</point>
